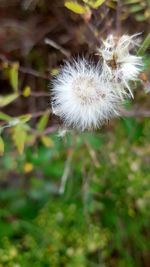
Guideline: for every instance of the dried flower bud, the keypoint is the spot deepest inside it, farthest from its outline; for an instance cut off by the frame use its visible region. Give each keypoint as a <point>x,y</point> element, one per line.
<point>119,64</point>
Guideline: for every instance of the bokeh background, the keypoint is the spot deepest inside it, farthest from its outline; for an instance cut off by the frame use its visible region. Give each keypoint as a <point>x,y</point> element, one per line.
<point>81,200</point>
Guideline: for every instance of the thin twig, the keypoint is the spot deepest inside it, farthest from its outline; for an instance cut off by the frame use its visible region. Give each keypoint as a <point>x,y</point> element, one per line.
<point>66,172</point>
<point>48,130</point>
<point>123,112</point>
<point>92,154</point>
<point>38,94</point>
<point>135,113</point>
<point>39,113</point>
<point>118,19</point>
<point>25,70</point>
<point>57,46</point>
<point>33,115</point>
<point>90,27</point>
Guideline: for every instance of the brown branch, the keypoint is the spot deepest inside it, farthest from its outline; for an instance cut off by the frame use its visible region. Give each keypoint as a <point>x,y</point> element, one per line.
<point>39,113</point>
<point>118,17</point>
<point>25,70</point>
<point>135,113</point>
<point>48,130</point>
<point>38,94</point>
<point>57,46</point>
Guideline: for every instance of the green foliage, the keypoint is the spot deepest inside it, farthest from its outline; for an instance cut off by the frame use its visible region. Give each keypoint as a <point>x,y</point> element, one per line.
<point>19,137</point>
<point>84,7</point>
<point>6,100</point>
<point>138,9</point>
<point>13,73</point>
<point>4,117</point>
<point>43,121</point>
<point>145,45</point>
<point>94,3</point>
<point>105,206</point>
<point>75,7</point>
<point>1,146</point>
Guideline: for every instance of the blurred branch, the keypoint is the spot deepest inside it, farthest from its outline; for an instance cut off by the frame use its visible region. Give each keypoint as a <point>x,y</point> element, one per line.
<point>48,130</point>
<point>118,17</point>
<point>38,94</point>
<point>93,31</point>
<point>39,113</point>
<point>123,112</point>
<point>65,175</point>
<point>24,69</point>
<point>135,113</point>
<point>57,46</point>
<point>92,154</point>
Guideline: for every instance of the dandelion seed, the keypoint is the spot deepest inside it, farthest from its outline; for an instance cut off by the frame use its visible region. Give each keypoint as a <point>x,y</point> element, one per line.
<point>82,98</point>
<point>119,64</point>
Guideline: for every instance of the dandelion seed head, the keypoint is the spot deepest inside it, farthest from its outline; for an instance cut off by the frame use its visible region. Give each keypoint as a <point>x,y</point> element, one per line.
<point>81,98</point>
<point>86,95</point>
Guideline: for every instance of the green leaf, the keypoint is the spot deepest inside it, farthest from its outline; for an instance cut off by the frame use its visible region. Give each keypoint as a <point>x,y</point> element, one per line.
<point>135,8</point>
<point>43,121</point>
<point>13,74</point>
<point>47,141</point>
<point>75,7</point>
<point>132,1</point>
<point>5,117</point>
<point>1,146</point>
<point>111,4</point>
<point>140,17</point>
<point>19,137</point>
<point>25,118</point>
<point>145,45</point>
<point>132,128</point>
<point>6,100</point>
<point>96,4</point>
<point>26,91</point>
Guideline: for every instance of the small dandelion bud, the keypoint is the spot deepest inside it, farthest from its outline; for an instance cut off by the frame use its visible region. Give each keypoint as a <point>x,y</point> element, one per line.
<point>119,63</point>
<point>82,98</point>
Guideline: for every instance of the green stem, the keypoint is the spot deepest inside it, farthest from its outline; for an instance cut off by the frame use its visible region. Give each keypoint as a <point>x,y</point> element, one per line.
<point>144,46</point>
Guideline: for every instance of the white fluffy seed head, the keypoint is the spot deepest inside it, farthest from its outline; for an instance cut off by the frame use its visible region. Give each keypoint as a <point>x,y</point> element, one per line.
<point>119,63</point>
<point>82,98</point>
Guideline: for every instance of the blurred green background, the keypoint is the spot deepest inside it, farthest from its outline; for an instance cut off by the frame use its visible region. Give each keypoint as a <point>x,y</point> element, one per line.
<point>82,200</point>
